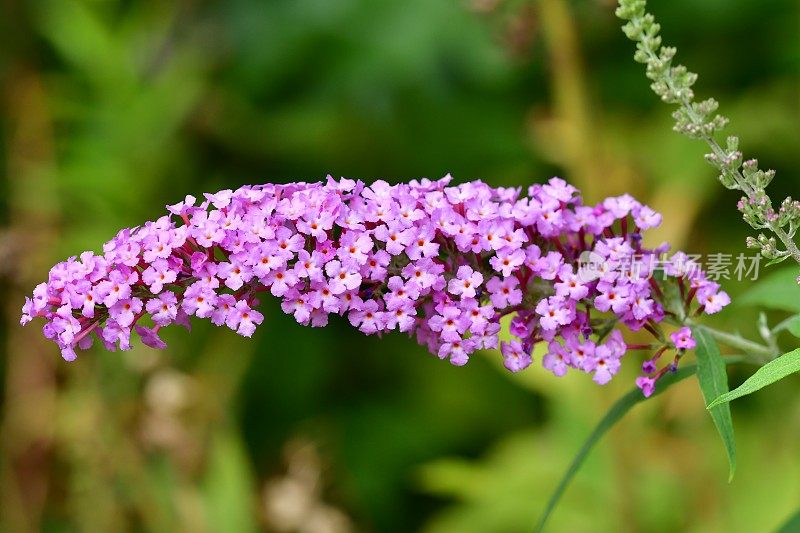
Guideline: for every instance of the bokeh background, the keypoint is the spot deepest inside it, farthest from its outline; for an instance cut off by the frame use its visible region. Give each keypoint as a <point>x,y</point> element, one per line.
<point>111,109</point>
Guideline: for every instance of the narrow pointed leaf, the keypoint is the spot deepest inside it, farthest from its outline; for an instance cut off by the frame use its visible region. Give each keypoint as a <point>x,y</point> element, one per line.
<point>775,370</point>
<point>777,260</point>
<point>614,414</point>
<point>713,383</point>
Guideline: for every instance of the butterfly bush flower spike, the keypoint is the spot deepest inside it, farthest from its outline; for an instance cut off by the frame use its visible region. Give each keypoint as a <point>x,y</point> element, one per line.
<point>445,264</point>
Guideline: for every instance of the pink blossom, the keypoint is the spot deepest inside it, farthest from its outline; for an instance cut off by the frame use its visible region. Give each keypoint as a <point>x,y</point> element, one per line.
<point>507,262</point>
<point>341,279</point>
<point>647,385</point>
<point>683,339</point>
<point>158,274</point>
<point>554,312</point>
<point>244,319</point>
<point>411,257</point>
<point>515,358</point>
<point>465,283</point>
<point>504,293</point>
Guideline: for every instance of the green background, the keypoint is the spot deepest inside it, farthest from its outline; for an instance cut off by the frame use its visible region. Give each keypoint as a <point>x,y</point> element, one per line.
<point>112,109</point>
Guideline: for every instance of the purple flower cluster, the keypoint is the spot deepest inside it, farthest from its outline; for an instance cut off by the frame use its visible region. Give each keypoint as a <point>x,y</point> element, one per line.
<point>443,263</point>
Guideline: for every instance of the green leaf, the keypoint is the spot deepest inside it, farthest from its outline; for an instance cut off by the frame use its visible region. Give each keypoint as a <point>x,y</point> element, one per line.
<point>614,414</point>
<point>714,383</point>
<point>775,370</point>
<point>792,525</point>
<point>777,260</point>
<point>779,290</point>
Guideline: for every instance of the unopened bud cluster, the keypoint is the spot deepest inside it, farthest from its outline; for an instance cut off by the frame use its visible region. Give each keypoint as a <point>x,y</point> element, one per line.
<point>698,120</point>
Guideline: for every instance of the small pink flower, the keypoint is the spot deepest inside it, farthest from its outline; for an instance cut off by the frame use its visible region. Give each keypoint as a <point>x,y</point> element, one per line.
<point>504,293</point>
<point>682,339</point>
<point>244,319</point>
<point>515,358</point>
<point>647,385</point>
<point>465,283</point>
<point>341,279</point>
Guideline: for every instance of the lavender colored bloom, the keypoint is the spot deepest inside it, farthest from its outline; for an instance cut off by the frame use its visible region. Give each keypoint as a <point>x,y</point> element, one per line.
<point>368,319</point>
<point>402,317</point>
<point>342,278</point>
<point>376,265</point>
<point>504,293</point>
<point>604,365</point>
<point>515,358</point>
<point>457,351</point>
<point>244,319</point>
<point>163,310</point>
<point>280,281</point>
<point>116,287</point>
<point>682,339</point>
<point>554,312</point>
<point>124,311</point>
<point>300,305</point>
<point>556,359</point>
<point>324,297</point>
<point>409,257</point>
<point>223,309</point>
<point>309,265</point>
<point>712,299</point>
<point>646,218</point>
<point>569,285</point>
<point>647,385</point>
<point>400,293</point>
<point>449,323</point>
<point>642,307</point>
<point>234,274</point>
<point>354,248</point>
<point>425,273</point>
<point>395,237</point>
<point>506,262</point>
<point>465,283</point>
<point>150,337</point>
<point>612,297</point>
<point>199,299</point>
<point>422,245</point>
<point>158,274</point>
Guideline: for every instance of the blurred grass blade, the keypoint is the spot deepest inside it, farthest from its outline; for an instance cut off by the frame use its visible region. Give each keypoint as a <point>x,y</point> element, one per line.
<point>617,411</point>
<point>229,486</point>
<point>775,370</point>
<point>792,525</point>
<point>779,290</point>
<point>714,383</point>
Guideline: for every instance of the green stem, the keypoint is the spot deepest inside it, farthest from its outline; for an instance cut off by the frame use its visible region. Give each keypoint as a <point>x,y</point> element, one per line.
<point>764,353</point>
<point>743,184</point>
<point>782,325</point>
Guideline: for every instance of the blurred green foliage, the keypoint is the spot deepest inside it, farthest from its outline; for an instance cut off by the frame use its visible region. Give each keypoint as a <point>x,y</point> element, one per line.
<point>112,108</point>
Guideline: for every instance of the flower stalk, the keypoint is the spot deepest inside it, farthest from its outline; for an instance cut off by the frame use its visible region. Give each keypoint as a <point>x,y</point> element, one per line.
<point>760,352</point>
<point>698,120</point>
